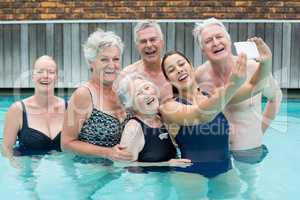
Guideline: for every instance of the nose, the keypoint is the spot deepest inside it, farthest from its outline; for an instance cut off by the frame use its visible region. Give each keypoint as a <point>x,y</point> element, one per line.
<point>215,41</point>
<point>148,43</point>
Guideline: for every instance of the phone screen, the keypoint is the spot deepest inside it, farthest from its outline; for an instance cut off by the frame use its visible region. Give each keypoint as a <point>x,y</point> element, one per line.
<point>249,48</point>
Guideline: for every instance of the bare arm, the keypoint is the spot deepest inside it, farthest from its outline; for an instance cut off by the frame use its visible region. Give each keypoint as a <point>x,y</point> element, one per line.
<point>274,96</point>
<point>205,109</point>
<point>260,78</point>
<point>133,138</point>
<point>79,108</point>
<point>11,127</point>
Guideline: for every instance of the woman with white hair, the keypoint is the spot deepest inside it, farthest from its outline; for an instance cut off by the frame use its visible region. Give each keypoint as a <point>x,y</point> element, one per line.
<point>93,122</point>
<point>35,122</point>
<point>145,135</point>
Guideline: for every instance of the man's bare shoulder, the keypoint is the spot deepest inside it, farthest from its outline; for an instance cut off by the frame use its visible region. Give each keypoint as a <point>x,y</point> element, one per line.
<point>202,70</point>
<point>132,67</point>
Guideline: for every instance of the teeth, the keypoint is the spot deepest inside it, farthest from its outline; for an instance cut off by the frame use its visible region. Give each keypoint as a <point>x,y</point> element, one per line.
<point>183,76</point>
<point>149,100</point>
<point>219,50</point>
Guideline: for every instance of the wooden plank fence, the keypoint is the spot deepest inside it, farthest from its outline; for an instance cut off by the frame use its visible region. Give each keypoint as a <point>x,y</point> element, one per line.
<point>21,44</point>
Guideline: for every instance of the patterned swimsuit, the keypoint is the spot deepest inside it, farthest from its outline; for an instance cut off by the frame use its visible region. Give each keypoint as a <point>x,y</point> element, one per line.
<point>101,129</point>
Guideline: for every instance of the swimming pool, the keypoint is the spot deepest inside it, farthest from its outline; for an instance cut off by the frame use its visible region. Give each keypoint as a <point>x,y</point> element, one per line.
<point>57,176</point>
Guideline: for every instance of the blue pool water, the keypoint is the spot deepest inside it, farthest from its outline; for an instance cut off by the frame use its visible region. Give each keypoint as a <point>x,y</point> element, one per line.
<point>56,176</point>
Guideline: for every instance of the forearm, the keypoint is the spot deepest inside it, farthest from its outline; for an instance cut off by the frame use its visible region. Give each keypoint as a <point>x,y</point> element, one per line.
<point>86,149</point>
<point>260,78</point>
<point>219,99</point>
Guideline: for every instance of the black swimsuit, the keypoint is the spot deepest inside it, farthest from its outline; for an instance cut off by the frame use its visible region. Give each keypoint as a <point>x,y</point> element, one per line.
<point>34,142</point>
<point>158,144</point>
<point>206,144</point>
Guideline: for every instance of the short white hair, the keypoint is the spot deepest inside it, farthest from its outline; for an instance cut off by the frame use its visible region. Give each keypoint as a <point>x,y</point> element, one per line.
<point>200,26</point>
<point>146,24</point>
<point>97,41</point>
<point>121,88</point>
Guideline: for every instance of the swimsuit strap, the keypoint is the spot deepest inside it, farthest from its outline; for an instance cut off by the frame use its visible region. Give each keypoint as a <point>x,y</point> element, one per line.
<point>25,122</point>
<point>66,104</point>
<point>90,94</point>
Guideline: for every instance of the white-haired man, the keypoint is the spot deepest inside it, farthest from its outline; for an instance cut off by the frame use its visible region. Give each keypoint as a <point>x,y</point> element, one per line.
<point>149,42</point>
<point>247,123</point>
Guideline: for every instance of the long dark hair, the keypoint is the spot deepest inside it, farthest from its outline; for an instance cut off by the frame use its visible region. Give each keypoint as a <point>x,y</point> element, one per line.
<point>167,54</point>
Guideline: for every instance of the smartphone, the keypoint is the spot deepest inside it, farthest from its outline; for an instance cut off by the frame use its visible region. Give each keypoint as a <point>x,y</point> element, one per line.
<point>249,48</point>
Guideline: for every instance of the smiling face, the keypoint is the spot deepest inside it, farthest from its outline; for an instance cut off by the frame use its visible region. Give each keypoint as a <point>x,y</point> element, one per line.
<point>44,74</point>
<point>179,71</point>
<point>107,65</point>
<point>215,43</point>
<point>145,97</point>
<point>149,45</point>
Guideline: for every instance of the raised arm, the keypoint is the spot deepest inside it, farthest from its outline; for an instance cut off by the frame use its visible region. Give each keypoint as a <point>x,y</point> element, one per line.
<point>78,111</point>
<point>274,95</point>
<point>260,78</point>
<point>204,109</point>
<point>12,125</point>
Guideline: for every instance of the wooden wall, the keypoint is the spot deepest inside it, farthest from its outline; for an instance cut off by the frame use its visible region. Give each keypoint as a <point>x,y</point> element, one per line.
<point>21,44</point>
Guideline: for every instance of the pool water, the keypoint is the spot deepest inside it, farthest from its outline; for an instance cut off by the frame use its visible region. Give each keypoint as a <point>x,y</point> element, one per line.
<point>57,176</point>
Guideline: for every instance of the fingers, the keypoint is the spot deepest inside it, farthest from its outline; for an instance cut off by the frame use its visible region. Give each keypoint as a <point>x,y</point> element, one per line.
<point>241,64</point>
<point>263,49</point>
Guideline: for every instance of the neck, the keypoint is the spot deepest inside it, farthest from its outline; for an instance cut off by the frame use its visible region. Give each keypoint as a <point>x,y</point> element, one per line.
<point>107,88</point>
<point>44,99</point>
<point>223,68</point>
<point>152,67</point>
<point>150,119</point>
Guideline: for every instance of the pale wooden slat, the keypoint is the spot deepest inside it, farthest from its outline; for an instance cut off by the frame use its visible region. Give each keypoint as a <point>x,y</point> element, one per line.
<point>286,53</point>
<point>163,27</point>
<point>170,41</point>
<point>189,41</point>
<point>120,33</point>
<point>242,32</point>
<point>1,57</point>
<point>277,52</point>
<point>269,38</point>
<point>41,39</point>
<point>25,68</point>
<point>7,37</point>
<point>134,54</point>
<point>49,39</point>
<point>179,37</point>
<point>251,30</point>
<point>75,51</point>
<point>16,57</point>
<point>58,52</point>
<point>127,39</point>
<point>84,68</point>
<point>67,58</point>
<point>32,47</point>
<point>295,56</point>
<point>197,51</point>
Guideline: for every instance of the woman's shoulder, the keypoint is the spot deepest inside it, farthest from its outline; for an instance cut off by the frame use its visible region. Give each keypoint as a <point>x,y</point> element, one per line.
<point>81,96</point>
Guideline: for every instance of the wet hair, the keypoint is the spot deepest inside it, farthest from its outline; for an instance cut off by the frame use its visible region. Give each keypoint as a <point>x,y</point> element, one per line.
<point>200,26</point>
<point>97,41</point>
<point>121,88</point>
<point>146,24</point>
<point>170,53</point>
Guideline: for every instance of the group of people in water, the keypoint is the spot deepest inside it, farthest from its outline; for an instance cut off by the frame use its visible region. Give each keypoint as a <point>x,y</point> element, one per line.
<point>158,111</point>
